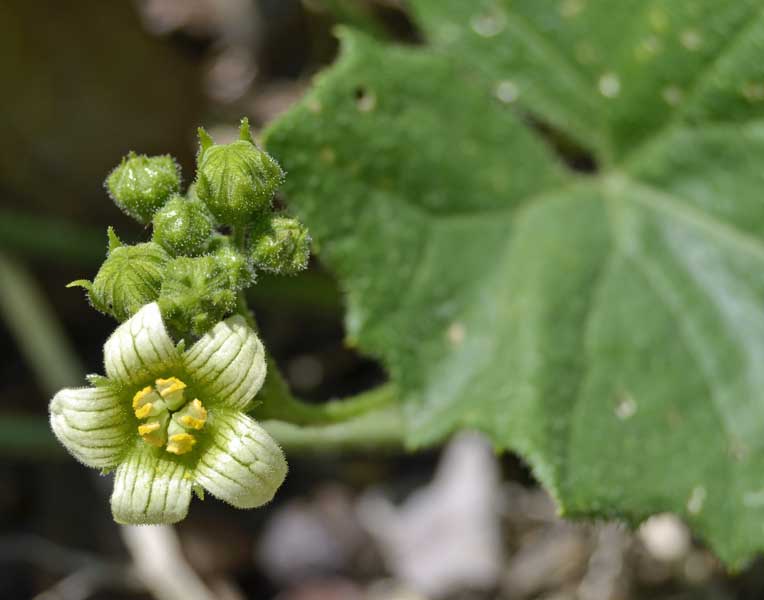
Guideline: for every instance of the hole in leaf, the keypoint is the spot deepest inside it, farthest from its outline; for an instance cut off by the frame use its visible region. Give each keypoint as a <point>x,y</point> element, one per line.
<point>365,100</point>
<point>574,155</point>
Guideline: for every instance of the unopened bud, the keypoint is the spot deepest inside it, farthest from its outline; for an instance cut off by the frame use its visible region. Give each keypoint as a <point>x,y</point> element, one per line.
<point>237,180</point>
<point>282,248</point>
<point>141,184</point>
<point>130,277</point>
<point>183,227</point>
<point>196,293</point>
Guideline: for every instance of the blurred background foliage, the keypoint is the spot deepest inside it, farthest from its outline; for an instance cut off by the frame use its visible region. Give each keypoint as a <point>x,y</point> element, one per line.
<point>84,83</point>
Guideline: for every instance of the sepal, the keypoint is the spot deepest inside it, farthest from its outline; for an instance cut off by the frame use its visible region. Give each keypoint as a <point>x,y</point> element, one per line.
<point>86,284</point>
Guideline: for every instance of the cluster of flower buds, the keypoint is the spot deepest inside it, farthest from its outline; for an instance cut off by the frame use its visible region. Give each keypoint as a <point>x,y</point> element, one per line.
<point>207,245</point>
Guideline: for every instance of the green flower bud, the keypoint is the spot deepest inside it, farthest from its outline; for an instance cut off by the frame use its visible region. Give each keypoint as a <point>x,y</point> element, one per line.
<point>183,227</point>
<point>196,293</point>
<point>282,248</point>
<point>238,266</point>
<point>130,277</point>
<point>236,181</point>
<point>142,184</point>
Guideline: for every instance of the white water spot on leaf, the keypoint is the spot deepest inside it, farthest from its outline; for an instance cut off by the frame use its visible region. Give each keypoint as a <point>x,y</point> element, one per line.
<point>626,407</point>
<point>672,95</point>
<point>753,91</point>
<point>488,24</point>
<point>456,333</point>
<point>696,500</point>
<point>691,39</point>
<point>609,85</point>
<point>571,8</point>
<point>506,91</point>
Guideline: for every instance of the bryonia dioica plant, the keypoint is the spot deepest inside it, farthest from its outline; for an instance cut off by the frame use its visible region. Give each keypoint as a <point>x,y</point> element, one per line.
<point>185,365</point>
<point>547,220</point>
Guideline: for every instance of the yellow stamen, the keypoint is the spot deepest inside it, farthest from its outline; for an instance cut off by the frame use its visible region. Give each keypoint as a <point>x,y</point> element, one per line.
<point>195,415</point>
<point>147,428</point>
<point>189,421</point>
<point>170,385</point>
<point>152,433</point>
<point>147,402</point>
<point>140,395</point>
<point>171,389</point>
<point>165,426</point>
<point>144,410</point>
<point>180,443</point>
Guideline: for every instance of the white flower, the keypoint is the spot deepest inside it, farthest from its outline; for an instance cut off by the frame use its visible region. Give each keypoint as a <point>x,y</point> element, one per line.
<point>169,420</point>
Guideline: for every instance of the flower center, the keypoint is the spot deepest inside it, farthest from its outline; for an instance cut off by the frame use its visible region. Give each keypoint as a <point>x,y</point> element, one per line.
<point>168,420</point>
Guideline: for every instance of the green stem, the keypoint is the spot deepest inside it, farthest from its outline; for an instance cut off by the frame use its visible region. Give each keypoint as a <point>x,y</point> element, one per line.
<point>278,402</point>
<point>376,430</point>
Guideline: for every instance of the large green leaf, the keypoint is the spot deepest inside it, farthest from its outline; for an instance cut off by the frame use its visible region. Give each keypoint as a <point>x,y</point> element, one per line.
<point>609,326</point>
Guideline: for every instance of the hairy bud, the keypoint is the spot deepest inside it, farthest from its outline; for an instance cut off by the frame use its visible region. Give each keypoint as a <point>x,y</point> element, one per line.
<point>183,227</point>
<point>130,277</point>
<point>197,293</point>
<point>236,181</point>
<point>141,184</point>
<point>283,247</point>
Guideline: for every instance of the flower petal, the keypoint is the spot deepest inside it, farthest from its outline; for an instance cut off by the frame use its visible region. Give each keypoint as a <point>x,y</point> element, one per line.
<point>150,488</point>
<point>139,348</point>
<point>92,424</point>
<point>242,464</point>
<point>227,364</point>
